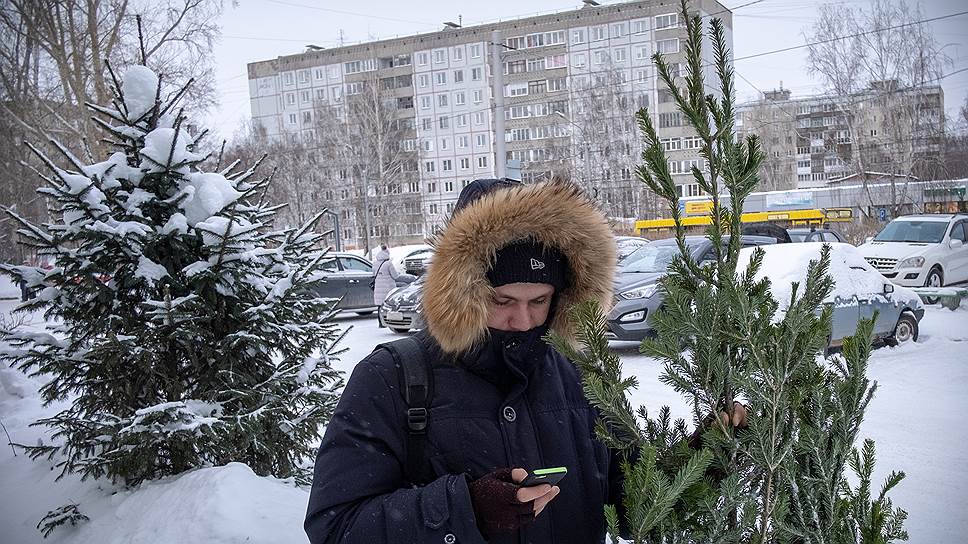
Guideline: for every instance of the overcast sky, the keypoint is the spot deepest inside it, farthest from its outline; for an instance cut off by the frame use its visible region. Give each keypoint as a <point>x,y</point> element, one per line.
<point>265,29</point>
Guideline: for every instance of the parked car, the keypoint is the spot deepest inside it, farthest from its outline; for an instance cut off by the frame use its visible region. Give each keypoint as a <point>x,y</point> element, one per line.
<point>349,278</point>
<point>637,293</point>
<point>921,250</point>
<point>626,245</point>
<point>859,290</point>
<point>814,234</point>
<point>416,262</point>
<point>400,311</point>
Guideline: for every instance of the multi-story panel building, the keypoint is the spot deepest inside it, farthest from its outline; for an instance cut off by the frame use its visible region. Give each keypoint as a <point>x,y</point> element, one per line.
<point>816,141</point>
<point>572,83</point>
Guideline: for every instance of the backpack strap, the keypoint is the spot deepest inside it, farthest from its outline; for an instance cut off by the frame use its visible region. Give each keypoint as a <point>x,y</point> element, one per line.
<point>417,384</point>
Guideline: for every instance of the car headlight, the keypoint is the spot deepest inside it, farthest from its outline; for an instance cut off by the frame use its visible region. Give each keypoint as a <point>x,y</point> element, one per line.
<point>641,292</point>
<point>911,262</point>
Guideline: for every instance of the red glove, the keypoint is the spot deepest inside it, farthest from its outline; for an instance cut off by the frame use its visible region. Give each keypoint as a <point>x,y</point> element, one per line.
<point>496,506</point>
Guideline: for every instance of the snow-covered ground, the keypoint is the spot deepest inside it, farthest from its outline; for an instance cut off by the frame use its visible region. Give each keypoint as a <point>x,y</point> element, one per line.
<point>917,419</point>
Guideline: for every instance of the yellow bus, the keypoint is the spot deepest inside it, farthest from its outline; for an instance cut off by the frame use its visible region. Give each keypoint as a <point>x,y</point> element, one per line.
<point>784,218</point>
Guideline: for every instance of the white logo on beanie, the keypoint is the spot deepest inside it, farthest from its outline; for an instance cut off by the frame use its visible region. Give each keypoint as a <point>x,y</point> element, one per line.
<point>536,264</point>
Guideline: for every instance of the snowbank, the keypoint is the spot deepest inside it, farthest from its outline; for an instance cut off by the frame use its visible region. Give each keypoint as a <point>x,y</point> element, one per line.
<point>213,505</point>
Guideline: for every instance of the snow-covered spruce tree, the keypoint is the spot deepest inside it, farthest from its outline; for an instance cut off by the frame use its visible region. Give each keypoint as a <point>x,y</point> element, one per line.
<point>184,329</point>
<point>722,336</point>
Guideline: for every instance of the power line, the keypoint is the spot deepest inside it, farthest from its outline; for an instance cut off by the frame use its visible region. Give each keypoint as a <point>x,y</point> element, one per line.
<point>856,34</point>
<point>355,14</point>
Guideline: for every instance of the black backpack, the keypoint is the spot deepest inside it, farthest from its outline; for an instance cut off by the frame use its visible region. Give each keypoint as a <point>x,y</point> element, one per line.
<point>416,382</point>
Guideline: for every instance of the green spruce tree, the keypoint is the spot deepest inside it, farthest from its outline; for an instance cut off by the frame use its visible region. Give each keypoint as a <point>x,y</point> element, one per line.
<point>722,337</point>
<point>184,328</point>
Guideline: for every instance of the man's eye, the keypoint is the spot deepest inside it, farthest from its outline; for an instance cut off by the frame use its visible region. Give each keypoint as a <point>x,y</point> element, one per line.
<point>539,301</point>
<point>504,302</point>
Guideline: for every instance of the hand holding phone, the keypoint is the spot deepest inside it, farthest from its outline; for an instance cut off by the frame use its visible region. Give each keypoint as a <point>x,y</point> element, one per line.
<point>550,476</point>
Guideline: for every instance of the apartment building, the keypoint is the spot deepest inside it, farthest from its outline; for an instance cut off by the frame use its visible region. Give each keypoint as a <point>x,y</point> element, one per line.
<point>572,82</point>
<point>817,141</point>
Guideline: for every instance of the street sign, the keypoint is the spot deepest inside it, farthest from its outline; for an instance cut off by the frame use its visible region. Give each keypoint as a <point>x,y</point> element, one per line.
<point>882,214</point>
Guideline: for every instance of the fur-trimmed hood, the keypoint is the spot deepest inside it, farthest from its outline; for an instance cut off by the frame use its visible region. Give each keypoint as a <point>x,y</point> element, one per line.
<point>456,293</point>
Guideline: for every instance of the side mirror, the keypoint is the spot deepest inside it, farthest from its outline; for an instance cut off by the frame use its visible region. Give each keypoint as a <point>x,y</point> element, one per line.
<point>888,288</point>
<point>955,243</point>
<point>868,240</point>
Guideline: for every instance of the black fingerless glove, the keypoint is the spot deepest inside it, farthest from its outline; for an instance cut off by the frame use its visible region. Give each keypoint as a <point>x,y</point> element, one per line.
<point>496,506</point>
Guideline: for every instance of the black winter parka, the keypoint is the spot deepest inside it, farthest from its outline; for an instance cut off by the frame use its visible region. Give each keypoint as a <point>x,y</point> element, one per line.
<point>500,399</point>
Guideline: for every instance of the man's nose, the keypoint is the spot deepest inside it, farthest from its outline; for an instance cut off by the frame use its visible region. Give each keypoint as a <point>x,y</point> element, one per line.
<point>520,319</point>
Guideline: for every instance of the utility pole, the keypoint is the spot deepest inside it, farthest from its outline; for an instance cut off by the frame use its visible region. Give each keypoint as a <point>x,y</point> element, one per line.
<point>497,90</point>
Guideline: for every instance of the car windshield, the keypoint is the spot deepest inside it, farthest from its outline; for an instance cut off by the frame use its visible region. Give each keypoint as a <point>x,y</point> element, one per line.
<point>797,236</point>
<point>650,258</point>
<point>931,232</point>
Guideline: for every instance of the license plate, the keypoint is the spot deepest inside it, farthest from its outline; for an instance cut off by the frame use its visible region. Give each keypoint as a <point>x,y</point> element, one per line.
<point>394,316</point>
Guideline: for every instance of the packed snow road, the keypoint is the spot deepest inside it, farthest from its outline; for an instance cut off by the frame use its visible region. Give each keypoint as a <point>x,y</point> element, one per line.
<point>916,417</point>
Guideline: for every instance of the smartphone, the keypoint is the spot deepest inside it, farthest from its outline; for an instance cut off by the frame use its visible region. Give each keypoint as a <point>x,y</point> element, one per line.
<point>550,476</point>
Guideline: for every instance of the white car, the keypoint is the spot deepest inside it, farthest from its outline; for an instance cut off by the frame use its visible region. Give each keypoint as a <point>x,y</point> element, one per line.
<point>921,250</point>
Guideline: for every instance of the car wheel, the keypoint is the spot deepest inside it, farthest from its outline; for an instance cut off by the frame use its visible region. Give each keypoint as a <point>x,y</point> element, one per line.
<point>399,331</point>
<point>935,279</point>
<point>905,331</point>
<point>368,312</point>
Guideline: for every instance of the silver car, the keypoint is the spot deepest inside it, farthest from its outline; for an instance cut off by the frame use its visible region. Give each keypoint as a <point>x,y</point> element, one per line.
<point>859,291</point>
<point>400,311</point>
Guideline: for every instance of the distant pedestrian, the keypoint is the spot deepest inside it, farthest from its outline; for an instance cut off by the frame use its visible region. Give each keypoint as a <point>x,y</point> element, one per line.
<point>386,275</point>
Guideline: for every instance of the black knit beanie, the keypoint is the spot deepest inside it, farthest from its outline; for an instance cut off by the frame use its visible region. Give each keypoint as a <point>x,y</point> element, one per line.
<point>529,261</point>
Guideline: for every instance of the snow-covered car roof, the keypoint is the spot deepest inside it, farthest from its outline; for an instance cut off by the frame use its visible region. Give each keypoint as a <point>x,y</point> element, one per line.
<point>787,263</point>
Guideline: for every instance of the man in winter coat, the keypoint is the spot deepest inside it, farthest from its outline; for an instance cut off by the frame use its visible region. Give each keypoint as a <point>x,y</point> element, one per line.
<point>510,263</point>
<point>386,276</point>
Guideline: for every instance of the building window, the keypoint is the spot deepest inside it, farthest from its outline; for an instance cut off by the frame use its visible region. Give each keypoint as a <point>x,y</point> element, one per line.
<point>670,119</point>
<point>354,88</point>
<point>465,163</point>
<point>319,73</point>
<point>479,118</point>
<point>423,80</point>
<point>441,78</point>
<point>290,99</point>
<point>516,89</point>
<point>620,54</point>
<point>618,30</point>
<point>442,100</point>
<point>601,57</point>
<point>321,94</point>
<point>578,36</point>
<point>447,165</point>
<point>482,161</point>
<point>478,96</point>
<point>307,117</point>
<point>642,52</point>
<point>670,20</point>
<point>458,53</point>
<point>458,76</point>
<point>449,187</point>
<point>440,56</point>
<point>460,98</point>
<point>428,123</point>
<point>599,33</point>
<point>640,26</point>
<point>476,51</point>
<point>462,142</point>
<point>287,78</point>
<point>462,119</point>
<point>557,84</point>
<point>481,140</point>
<point>292,118</point>
<point>667,46</point>
<point>475,74</point>
<point>579,60</point>
<point>429,167</point>
<point>444,122</point>
<point>422,59</point>
<point>425,102</point>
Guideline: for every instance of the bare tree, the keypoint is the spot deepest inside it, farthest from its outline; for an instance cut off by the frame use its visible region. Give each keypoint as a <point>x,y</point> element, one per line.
<point>865,57</point>
<point>368,145</point>
<point>54,56</point>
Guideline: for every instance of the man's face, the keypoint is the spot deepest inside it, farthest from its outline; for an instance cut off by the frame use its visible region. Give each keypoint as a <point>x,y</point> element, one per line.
<point>519,306</point>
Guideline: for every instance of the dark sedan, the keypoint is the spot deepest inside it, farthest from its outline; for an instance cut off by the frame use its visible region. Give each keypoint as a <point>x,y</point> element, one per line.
<point>637,292</point>
<point>349,278</point>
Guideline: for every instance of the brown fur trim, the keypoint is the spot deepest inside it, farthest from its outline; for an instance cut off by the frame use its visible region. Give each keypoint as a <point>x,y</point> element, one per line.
<point>456,294</point>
